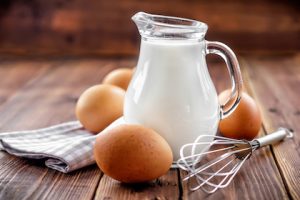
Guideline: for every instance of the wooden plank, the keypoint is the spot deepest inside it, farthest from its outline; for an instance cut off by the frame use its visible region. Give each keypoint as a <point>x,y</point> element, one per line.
<point>13,75</point>
<point>104,27</point>
<point>47,100</point>
<point>258,178</point>
<point>165,187</point>
<point>34,181</point>
<point>276,84</point>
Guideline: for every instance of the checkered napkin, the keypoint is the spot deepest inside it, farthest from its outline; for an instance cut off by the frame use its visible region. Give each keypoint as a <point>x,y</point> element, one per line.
<point>64,147</point>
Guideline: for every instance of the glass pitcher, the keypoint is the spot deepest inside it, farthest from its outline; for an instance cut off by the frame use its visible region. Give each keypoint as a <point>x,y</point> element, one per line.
<point>171,90</point>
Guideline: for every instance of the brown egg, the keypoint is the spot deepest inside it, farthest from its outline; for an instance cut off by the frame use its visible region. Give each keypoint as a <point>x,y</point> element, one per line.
<point>244,122</point>
<point>99,106</point>
<point>119,77</point>
<point>132,153</point>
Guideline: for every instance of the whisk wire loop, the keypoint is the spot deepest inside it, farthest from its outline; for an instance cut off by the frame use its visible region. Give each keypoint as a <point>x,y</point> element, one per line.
<point>221,169</point>
<point>237,151</point>
<point>194,170</point>
<point>206,181</point>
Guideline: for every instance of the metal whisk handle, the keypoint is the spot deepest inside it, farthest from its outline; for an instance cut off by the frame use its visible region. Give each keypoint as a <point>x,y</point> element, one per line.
<point>277,136</point>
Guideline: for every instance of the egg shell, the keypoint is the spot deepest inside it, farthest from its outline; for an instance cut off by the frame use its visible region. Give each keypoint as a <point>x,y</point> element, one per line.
<point>244,122</point>
<point>119,77</point>
<point>99,106</point>
<point>132,153</point>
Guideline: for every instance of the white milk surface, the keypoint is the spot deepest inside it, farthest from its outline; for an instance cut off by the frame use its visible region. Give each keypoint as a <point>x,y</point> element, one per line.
<point>172,93</point>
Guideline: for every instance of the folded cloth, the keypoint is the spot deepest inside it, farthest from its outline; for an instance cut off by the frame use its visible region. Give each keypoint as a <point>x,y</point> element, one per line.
<point>64,147</point>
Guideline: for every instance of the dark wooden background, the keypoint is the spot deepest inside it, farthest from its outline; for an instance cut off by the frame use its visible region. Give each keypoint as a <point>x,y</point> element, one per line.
<point>104,27</point>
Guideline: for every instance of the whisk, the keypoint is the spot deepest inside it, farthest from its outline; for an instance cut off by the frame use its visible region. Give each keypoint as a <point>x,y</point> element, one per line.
<point>220,158</point>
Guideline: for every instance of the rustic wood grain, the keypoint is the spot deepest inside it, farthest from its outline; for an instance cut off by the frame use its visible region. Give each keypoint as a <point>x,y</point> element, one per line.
<point>105,27</point>
<point>276,87</point>
<point>14,76</point>
<point>259,177</point>
<point>27,179</point>
<point>165,187</point>
<point>48,99</point>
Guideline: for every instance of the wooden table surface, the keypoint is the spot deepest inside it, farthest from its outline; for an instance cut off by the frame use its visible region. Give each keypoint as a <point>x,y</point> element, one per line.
<point>36,93</point>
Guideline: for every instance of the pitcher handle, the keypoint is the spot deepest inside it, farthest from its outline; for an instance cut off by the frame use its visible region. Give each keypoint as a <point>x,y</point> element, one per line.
<point>235,75</point>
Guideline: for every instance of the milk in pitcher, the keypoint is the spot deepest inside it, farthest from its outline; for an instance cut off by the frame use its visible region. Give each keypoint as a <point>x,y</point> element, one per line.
<point>172,93</point>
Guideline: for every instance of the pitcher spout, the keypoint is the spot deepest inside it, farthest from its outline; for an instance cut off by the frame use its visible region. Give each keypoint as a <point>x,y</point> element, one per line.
<point>166,27</point>
<point>141,18</point>
<point>143,22</point>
